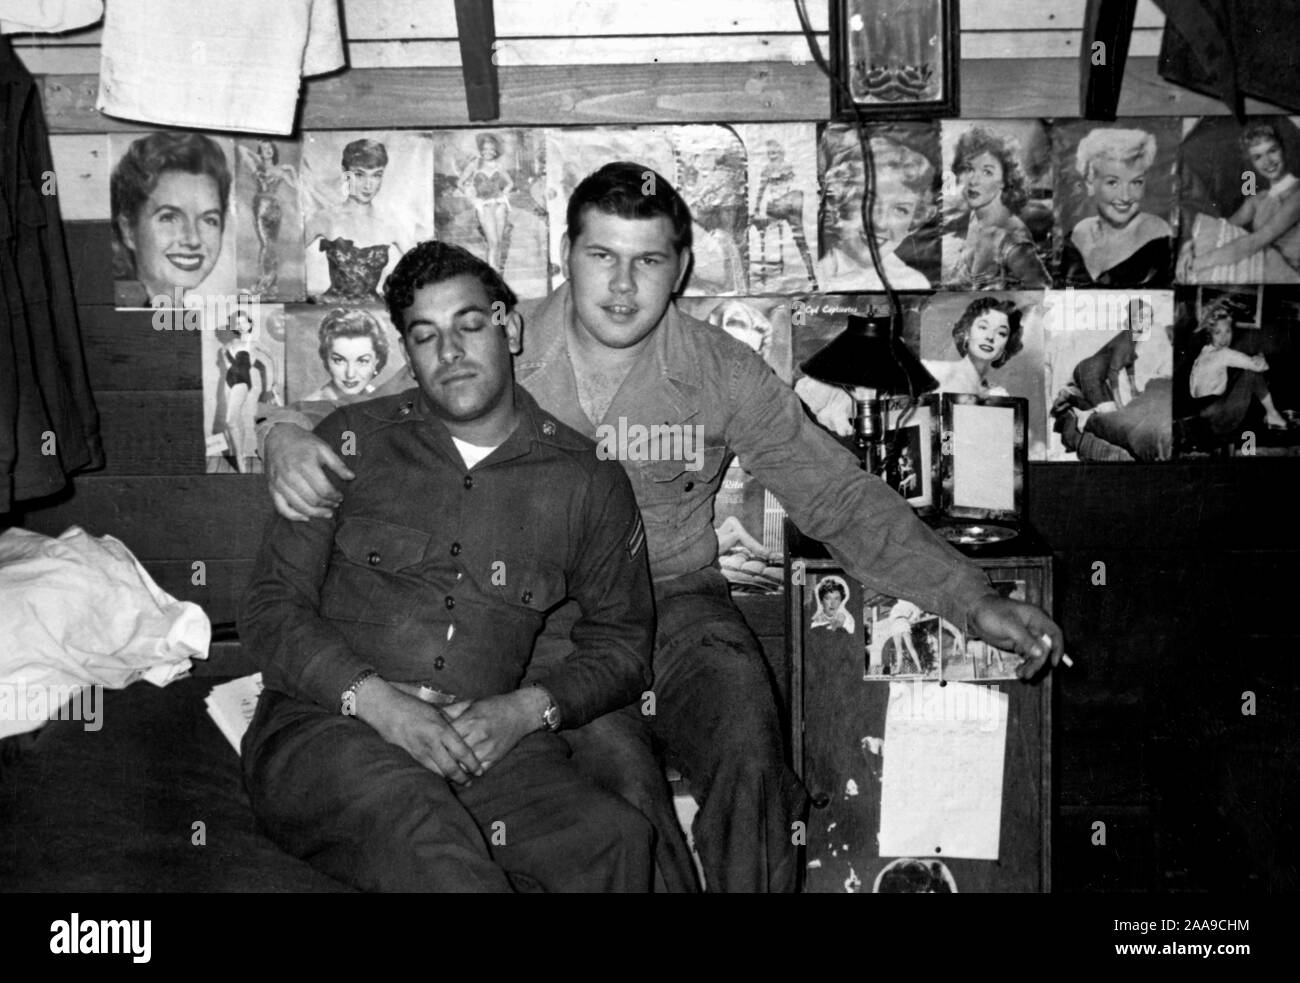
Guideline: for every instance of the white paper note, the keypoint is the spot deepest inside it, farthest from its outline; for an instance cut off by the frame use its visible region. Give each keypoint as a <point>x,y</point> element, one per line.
<point>941,782</point>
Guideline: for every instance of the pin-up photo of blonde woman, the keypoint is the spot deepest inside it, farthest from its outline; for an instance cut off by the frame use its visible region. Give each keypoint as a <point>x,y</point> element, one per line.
<point>902,212</point>
<point>1115,201</point>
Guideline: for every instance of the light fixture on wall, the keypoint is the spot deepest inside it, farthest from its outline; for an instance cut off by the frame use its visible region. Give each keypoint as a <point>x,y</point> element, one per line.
<point>869,360</point>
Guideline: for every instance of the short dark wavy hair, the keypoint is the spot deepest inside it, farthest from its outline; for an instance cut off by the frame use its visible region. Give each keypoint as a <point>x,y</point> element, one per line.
<point>136,175</point>
<point>982,305</point>
<point>352,322</point>
<point>630,191</point>
<point>830,585</point>
<point>1006,151</point>
<point>364,153</point>
<point>433,262</point>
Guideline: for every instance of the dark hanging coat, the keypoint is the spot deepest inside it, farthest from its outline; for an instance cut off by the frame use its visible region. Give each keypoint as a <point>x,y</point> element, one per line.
<point>49,427</point>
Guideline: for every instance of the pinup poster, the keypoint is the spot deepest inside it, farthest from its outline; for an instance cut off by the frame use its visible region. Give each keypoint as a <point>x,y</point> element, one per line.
<point>1107,372</point>
<point>367,198</point>
<point>997,204</point>
<point>339,354</point>
<point>905,214</point>
<point>173,234</point>
<point>782,186</point>
<point>989,344</point>
<point>489,196</point>
<point>572,154</point>
<point>748,519</point>
<point>268,220</point>
<point>1234,180</point>
<point>712,176</point>
<point>904,642</point>
<point>243,374</point>
<point>1116,202</point>
<point>1236,375</point>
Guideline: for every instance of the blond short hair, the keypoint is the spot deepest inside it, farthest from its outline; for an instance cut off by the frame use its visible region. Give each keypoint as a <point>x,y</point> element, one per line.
<point>1124,146</point>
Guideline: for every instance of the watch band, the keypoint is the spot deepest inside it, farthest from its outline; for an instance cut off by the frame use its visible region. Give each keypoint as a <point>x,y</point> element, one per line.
<point>348,701</point>
<point>551,714</point>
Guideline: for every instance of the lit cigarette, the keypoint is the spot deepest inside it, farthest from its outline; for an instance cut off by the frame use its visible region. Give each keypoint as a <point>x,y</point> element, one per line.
<point>1047,640</point>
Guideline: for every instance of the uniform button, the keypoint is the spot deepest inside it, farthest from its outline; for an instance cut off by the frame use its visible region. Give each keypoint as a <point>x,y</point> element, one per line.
<point>450,602</point>
<point>455,549</point>
<point>690,485</point>
<point>469,481</point>
<point>406,408</point>
<point>439,662</point>
<point>373,559</point>
<point>548,428</point>
<point>528,597</point>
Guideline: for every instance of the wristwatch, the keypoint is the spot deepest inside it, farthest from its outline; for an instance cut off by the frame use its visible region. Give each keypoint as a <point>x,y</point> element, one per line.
<point>348,701</point>
<point>550,715</point>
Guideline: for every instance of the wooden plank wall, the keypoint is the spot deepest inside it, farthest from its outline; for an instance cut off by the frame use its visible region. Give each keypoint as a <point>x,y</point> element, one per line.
<point>1195,608</point>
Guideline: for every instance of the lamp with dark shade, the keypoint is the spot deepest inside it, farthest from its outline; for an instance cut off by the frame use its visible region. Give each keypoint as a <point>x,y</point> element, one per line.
<point>870,361</point>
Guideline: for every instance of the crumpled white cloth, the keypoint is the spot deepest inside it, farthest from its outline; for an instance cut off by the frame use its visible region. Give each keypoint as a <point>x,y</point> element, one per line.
<point>215,64</point>
<point>48,16</point>
<point>81,610</point>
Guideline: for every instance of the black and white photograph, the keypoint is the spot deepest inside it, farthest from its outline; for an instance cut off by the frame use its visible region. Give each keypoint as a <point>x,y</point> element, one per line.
<point>1237,371</point>
<point>1109,375</point>
<point>367,198</point>
<point>997,204</point>
<point>173,230</point>
<point>490,197</point>
<point>987,344</point>
<point>904,213</point>
<point>1240,199</point>
<point>1116,201</point>
<point>910,875</point>
<point>712,176</point>
<point>904,641</point>
<point>243,377</point>
<point>555,447</point>
<point>268,220</point>
<point>783,199</point>
<point>339,355</point>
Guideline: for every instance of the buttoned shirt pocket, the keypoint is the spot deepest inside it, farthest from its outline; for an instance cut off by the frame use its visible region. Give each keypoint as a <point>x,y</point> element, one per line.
<point>372,573</point>
<point>526,584</point>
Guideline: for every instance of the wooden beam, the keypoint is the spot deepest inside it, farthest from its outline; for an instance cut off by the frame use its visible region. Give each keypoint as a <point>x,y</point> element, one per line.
<point>1107,28</point>
<point>477,31</point>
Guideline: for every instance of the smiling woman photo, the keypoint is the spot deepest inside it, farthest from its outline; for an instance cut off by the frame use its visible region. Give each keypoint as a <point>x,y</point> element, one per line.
<point>988,333</point>
<point>1266,225</point>
<point>902,203</point>
<point>1121,245</point>
<point>169,194</point>
<point>354,350</point>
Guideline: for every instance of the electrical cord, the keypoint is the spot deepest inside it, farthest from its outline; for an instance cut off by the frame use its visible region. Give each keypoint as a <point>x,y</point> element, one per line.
<point>868,222</point>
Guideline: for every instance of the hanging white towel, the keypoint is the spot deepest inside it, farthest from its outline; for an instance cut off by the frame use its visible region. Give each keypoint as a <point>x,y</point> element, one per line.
<point>48,16</point>
<point>216,65</point>
<point>79,611</point>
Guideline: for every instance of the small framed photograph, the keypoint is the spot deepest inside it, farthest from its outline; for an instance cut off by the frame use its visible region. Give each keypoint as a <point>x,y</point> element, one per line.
<point>894,58</point>
<point>912,449</point>
<point>982,457</point>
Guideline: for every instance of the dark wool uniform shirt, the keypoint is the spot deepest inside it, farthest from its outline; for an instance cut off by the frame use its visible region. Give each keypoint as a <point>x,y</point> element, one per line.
<point>433,573</point>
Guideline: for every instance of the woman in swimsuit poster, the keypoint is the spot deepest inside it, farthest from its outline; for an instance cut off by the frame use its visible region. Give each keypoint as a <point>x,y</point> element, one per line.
<point>241,372</point>
<point>488,185</point>
<point>378,207</point>
<point>269,221</point>
<point>489,196</point>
